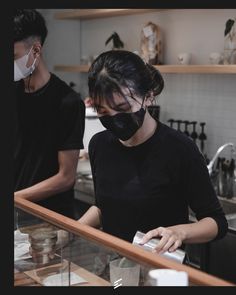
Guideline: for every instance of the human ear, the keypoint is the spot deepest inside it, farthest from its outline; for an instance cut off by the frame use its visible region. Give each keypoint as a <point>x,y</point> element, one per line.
<point>37,50</point>
<point>149,99</point>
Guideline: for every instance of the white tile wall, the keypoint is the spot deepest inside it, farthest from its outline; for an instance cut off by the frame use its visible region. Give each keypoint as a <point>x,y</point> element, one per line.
<point>202,98</point>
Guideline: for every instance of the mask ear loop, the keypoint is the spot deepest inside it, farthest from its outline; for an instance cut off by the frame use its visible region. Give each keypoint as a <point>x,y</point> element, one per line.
<point>32,67</point>
<point>29,83</point>
<point>143,103</point>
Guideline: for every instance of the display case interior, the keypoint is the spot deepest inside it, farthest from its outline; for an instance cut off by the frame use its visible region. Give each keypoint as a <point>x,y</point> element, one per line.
<point>53,250</point>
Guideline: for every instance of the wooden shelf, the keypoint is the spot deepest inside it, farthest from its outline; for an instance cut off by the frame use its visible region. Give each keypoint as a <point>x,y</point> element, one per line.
<point>100,13</point>
<point>165,69</point>
<point>72,69</point>
<point>198,69</point>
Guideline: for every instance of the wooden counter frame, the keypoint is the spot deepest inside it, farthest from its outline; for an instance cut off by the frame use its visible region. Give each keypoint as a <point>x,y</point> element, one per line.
<point>196,277</point>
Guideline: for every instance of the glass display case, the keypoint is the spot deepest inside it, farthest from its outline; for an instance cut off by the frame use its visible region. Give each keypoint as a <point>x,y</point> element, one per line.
<point>53,250</point>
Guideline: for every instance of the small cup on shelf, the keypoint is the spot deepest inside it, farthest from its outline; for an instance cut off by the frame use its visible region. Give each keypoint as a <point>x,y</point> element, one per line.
<point>215,58</point>
<point>184,58</point>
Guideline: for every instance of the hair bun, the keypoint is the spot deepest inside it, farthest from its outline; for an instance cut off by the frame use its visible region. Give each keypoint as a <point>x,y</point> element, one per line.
<point>156,80</point>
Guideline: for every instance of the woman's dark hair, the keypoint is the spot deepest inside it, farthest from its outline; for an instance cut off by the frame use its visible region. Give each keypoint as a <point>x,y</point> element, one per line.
<point>29,23</point>
<point>115,70</point>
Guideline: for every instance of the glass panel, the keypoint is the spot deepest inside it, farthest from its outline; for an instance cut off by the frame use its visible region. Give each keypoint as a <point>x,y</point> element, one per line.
<point>51,256</point>
<point>36,248</point>
<point>99,266</point>
<point>46,255</point>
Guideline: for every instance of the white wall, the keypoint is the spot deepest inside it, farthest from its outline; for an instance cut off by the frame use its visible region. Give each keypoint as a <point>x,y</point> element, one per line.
<point>199,31</point>
<point>62,45</point>
<point>204,98</point>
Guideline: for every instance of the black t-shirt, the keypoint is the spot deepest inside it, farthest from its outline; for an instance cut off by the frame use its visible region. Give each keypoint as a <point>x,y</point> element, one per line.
<point>152,184</point>
<point>49,120</point>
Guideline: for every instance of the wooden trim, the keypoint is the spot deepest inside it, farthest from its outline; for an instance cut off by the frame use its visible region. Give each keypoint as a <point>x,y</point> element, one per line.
<point>165,69</point>
<point>91,278</point>
<point>100,13</point>
<point>72,69</point>
<point>21,279</point>
<point>125,248</point>
<point>197,69</point>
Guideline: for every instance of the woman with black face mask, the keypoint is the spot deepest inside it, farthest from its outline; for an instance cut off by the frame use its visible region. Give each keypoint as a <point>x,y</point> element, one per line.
<point>146,175</point>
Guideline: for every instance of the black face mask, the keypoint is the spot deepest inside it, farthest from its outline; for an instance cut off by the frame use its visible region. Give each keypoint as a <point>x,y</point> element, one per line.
<point>124,125</point>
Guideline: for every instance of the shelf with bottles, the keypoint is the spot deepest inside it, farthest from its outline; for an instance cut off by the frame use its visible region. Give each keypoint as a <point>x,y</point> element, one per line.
<point>165,69</point>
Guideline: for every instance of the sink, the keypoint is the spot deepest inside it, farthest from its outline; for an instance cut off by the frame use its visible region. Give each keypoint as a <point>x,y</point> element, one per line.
<point>232,223</point>
<point>231,218</point>
<point>228,206</point>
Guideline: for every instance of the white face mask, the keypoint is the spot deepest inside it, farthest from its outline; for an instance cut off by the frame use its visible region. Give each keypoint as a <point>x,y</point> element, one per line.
<point>21,71</point>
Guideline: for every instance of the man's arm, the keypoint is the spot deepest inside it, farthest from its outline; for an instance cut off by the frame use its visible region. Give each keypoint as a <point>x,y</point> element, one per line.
<point>58,183</point>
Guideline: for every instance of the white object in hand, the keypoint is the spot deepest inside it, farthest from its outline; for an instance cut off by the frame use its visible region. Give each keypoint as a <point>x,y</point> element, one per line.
<point>178,255</point>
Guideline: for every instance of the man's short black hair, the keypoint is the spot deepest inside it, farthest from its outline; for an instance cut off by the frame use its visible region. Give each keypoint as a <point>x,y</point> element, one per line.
<point>29,23</point>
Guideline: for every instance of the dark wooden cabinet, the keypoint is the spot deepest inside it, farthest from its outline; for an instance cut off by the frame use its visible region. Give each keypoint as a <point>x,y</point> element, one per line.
<point>217,258</point>
<point>221,257</point>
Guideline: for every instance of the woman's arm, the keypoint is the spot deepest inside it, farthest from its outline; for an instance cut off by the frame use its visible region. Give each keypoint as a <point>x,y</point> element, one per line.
<point>172,237</point>
<point>92,217</point>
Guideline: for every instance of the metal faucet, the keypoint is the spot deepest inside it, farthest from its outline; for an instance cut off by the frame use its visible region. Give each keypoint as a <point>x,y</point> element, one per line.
<point>220,149</point>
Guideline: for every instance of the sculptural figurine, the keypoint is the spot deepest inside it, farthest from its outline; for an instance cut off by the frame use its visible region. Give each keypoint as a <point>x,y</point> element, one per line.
<point>151,44</point>
<point>117,43</point>
<point>229,54</point>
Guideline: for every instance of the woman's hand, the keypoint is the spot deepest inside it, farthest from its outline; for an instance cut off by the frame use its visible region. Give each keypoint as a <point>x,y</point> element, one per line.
<point>171,238</point>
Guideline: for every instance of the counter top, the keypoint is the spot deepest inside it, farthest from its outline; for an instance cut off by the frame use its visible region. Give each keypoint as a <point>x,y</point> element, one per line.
<point>30,278</point>
<point>90,279</point>
<point>83,167</point>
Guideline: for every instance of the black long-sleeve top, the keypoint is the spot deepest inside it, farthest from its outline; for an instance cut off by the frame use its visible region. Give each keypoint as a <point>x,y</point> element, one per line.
<point>152,184</point>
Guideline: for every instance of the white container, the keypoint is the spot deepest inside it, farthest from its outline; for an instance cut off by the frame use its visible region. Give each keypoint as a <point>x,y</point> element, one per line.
<point>124,274</point>
<point>184,58</point>
<point>167,277</point>
<point>214,58</point>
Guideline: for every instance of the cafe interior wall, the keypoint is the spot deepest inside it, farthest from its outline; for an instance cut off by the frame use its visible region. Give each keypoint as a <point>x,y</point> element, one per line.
<point>209,98</point>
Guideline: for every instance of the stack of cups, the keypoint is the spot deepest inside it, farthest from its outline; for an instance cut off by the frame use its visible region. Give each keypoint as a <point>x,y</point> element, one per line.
<point>43,244</point>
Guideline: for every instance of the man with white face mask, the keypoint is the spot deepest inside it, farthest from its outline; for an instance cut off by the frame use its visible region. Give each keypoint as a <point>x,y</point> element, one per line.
<point>21,71</point>
<point>50,122</point>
